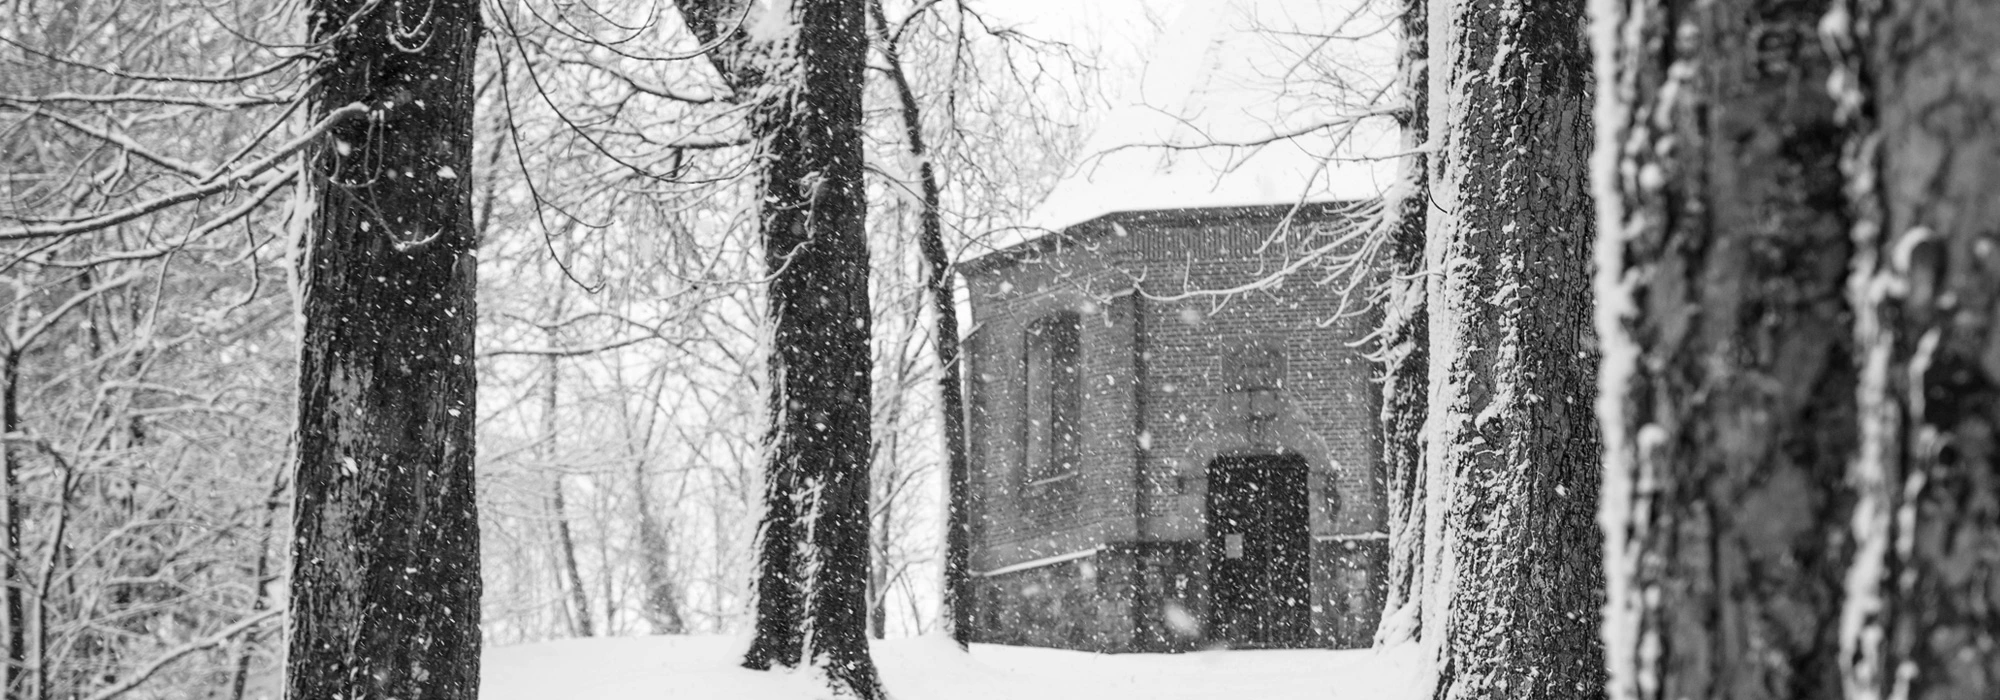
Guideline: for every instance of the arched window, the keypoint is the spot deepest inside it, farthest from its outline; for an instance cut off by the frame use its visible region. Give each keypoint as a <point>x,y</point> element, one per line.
<point>1051,434</point>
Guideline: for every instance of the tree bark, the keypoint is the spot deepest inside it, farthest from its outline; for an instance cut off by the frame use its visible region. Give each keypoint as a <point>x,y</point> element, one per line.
<point>1512,556</point>
<point>385,589</point>
<point>1919,88</point>
<point>261,596</point>
<point>1404,340</point>
<point>663,600</point>
<point>957,594</point>
<point>812,550</point>
<point>572,575</point>
<point>1728,381</point>
<point>13,674</point>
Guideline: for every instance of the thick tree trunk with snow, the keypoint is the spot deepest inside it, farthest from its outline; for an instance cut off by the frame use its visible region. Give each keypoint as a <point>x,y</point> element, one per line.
<point>1405,338</point>
<point>1920,88</point>
<point>1512,584</point>
<point>385,585</point>
<point>1728,379</point>
<point>812,567</point>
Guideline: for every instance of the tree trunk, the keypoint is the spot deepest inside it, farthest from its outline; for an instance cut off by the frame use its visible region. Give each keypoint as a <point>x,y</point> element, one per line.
<point>662,604</point>
<point>14,670</point>
<point>261,596</point>
<point>812,549</point>
<point>930,235</point>
<point>1728,378</point>
<point>572,575</point>
<point>1404,339</point>
<point>1512,585</point>
<point>385,586</point>
<point>1920,88</point>
<point>878,575</point>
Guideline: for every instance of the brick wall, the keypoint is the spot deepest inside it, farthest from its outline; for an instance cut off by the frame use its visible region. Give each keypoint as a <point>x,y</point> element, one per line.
<point>1211,282</point>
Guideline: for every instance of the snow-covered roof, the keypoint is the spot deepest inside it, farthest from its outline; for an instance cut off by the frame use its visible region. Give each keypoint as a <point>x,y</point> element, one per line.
<point>1225,111</point>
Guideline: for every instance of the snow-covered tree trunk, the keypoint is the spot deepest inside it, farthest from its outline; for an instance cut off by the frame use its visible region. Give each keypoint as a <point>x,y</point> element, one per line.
<point>1404,340</point>
<point>1512,584</point>
<point>1919,88</point>
<point>385,585</point>
<point>802,73</point>
<point>1728,379</point>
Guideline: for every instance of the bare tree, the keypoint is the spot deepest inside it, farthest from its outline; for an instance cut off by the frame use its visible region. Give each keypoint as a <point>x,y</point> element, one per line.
<point>143,327</point>
<point>937,261</point>
<point>1403,337</point>
<point>806,88</point>
<point>385,585</point>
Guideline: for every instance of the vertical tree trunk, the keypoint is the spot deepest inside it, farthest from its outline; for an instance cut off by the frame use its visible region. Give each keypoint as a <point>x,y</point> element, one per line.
<point>1920,88</point>
<point>1728,379</point>
<point>662,603</point>
<point>572,575</point>
<point>878,575</point>
<point>1512,584</point>
<point>385,586</point>
<point>812,548</point>
<point>937,260</point>
<point>1404,340</point>
<point>14,670</point>
<point>240,678</point>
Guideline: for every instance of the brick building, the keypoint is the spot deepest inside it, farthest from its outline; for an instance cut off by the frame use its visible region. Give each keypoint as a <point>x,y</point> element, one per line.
<point>1174,443</point>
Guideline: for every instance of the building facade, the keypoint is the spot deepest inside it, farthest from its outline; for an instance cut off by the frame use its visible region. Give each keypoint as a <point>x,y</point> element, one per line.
<point>1173,436</point>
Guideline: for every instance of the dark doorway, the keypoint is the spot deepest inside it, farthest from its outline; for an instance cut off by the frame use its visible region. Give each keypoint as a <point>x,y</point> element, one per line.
<point>1259,552</point>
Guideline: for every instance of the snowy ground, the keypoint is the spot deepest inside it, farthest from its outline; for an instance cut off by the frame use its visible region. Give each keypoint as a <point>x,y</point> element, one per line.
<point>930,668</point>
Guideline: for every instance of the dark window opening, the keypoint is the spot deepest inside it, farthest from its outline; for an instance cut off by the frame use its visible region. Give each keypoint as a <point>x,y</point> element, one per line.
<point>1052,440</point>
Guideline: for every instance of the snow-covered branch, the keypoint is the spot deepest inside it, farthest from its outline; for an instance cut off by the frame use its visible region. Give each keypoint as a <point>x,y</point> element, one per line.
<point>139,676</point>
<point>233,179</point>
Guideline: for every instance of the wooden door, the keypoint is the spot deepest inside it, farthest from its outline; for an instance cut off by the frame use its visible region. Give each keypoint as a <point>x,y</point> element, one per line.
<point>1259,552</point>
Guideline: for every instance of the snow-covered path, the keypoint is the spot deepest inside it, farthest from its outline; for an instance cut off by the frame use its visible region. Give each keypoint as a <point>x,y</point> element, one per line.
<point>704,668</point>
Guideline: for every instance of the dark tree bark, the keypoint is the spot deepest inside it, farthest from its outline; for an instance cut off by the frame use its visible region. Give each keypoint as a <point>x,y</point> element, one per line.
<point>1512,580</point>
<point>812,559</point>
<point>1404,338</point>
<point>13,674</point>
<point>1728,379</point>
<point>1920,88</point>
<point>930,235</point>
<point>385,586</point>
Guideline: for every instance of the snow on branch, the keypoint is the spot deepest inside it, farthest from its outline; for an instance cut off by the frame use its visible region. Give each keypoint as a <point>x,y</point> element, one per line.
<point>145,673</point>
<point>231,180</point>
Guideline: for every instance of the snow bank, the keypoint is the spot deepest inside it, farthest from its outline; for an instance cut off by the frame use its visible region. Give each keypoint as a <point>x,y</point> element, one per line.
<point>931,668</point>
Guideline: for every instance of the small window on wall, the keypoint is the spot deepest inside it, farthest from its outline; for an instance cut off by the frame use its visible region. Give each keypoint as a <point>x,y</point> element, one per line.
<point>1050,426</point>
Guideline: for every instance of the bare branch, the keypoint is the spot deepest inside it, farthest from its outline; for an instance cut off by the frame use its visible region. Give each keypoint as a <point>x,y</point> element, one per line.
<point>144,673</point>
<point>234,178</point>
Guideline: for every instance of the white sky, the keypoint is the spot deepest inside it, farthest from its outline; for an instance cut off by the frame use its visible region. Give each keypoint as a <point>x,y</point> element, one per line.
<point>1124,29</point>
<point>1211,71</point>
